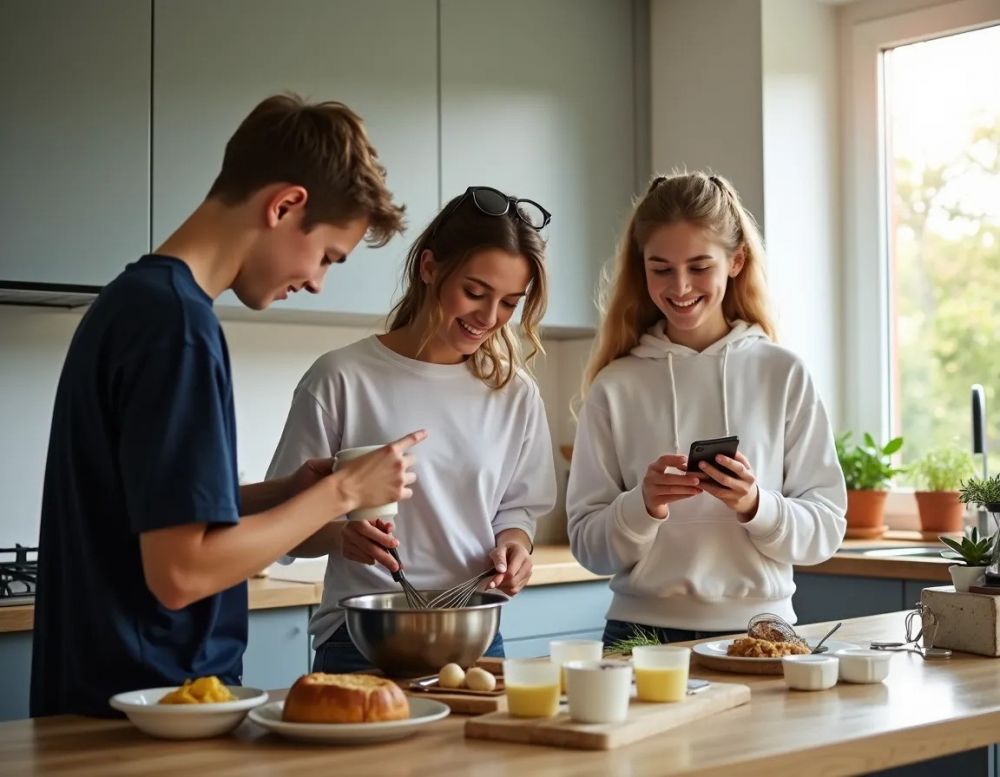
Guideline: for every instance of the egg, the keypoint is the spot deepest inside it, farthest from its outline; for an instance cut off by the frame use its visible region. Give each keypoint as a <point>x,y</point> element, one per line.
<point>451,676</point>
<point>480,680</point>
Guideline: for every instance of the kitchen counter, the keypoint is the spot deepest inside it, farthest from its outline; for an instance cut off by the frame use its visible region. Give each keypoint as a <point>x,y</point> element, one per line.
<point>553,565</point>
<point>923,710</point>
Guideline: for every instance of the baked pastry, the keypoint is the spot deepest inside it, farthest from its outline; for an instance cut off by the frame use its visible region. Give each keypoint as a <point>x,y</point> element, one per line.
<point>344,698</point>
<point>749,647</point>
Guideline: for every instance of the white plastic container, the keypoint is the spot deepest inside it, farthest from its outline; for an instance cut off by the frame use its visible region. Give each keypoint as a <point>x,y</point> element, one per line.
<point>809,672</point>
<point>598,691</point>
<point>861,665</point>
<point>365,513</point>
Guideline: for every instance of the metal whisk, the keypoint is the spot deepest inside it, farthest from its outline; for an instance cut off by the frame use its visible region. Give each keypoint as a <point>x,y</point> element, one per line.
<point>414,599</point>
<point>459,595</point>
<point>773,628</point>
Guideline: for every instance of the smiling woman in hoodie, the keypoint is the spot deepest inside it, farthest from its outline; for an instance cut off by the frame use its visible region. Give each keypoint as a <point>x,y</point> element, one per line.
<point>686,352</point>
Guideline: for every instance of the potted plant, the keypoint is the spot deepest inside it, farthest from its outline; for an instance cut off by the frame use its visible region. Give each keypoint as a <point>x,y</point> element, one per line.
<point>974,552</point>
<point>985,492</point>
<point>937,477</point>
<point>867,471</point>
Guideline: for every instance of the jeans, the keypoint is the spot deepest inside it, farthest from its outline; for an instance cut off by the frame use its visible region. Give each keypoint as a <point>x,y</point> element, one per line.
<point>615,631</point>
<point>338,655</point>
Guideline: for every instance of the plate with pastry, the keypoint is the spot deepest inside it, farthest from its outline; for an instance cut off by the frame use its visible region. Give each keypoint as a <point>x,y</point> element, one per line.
<point>752,655</point>
<point>201,707</point>
<point>346,709</point>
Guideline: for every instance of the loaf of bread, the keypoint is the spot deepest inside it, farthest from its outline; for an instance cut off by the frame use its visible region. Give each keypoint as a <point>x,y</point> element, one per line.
<point>344,698</point>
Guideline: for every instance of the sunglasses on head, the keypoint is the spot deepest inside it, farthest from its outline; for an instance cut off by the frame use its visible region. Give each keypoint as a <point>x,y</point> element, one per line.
<point>493,202</point>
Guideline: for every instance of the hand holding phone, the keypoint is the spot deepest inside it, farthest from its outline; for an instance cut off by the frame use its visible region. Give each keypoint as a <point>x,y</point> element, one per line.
<point>707,450</point>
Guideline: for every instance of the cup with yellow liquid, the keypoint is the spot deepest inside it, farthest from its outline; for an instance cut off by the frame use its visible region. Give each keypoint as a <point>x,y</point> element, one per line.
<point>661,672</point>
<point>532,687</point>
<point>562,651</point>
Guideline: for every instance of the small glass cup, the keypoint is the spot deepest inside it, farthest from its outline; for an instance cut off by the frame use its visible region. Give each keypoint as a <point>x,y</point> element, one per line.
<point>562,651</point>
<point>532,687</point>
<point>661,672</point>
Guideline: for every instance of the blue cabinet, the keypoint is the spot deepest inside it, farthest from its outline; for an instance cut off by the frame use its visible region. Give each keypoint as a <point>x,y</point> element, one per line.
<point>546,612</point>
<point>15,677</point>
<point>278,651</point>
<point>835,597</point>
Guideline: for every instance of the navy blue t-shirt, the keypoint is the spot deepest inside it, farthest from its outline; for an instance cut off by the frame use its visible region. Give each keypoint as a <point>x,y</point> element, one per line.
<point>143,437</point>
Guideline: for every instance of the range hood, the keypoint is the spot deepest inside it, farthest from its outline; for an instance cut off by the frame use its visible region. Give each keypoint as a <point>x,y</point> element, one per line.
<point>47,295</point>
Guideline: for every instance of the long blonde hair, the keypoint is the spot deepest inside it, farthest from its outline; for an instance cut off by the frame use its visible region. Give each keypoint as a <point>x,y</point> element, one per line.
<point>708,201</point>
<point>458,232</point>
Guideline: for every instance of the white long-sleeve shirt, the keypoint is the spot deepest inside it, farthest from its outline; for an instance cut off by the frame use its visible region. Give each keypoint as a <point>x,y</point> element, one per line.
<point>485,466</point>
<point>701,568</point>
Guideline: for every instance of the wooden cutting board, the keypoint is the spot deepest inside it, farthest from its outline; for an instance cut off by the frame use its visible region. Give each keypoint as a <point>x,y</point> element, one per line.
<point>643,720</point>
<point>466,702</point>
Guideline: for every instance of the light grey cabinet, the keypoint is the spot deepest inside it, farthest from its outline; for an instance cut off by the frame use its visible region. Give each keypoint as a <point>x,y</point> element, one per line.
<point>214,61</point>
<point>278,651</point>
<point>74,138</point>
<point>538,99</point>
<point>15,677</point>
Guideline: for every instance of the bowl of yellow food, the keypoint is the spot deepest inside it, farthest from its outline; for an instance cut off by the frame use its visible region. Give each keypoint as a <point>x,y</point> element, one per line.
<point>197,709</point>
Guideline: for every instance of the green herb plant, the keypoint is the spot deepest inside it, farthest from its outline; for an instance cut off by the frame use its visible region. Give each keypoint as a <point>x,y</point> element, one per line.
<point>942,469</point>
<point>640,637</point>
<point>984,492</point>
<point>868,466</point>
<point>973,550</point>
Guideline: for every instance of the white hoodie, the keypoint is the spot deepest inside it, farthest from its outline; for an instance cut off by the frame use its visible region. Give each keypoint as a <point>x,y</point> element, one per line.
<point>701,568</point>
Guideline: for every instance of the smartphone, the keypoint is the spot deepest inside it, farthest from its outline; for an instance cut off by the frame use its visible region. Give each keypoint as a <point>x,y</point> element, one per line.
<point>696,686</point>
<point>707,450</point>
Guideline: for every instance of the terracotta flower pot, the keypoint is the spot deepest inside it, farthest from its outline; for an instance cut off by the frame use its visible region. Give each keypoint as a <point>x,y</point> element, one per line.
<point>865,513</point>
<point>940,511</point>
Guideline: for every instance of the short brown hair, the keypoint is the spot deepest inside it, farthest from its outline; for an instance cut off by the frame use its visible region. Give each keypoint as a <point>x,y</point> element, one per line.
<point>322,147</point>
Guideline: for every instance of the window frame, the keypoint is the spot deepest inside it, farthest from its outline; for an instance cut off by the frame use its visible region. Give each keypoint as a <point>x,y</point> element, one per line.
<point>866,385</point>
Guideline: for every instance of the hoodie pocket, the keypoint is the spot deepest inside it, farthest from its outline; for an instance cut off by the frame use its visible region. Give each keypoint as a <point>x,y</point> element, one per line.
<point>712,561</point>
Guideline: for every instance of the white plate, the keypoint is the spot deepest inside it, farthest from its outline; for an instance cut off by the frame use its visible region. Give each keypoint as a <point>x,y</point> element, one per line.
<point>186,721</point>
<point>422,712</point>
<point>718,649</point>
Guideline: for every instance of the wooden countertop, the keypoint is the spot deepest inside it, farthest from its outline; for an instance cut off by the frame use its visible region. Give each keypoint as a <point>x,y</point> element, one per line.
<point>555,564</point>
<point>923,710</point>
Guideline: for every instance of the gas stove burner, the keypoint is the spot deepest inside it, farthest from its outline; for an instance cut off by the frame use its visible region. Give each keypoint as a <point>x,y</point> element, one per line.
<point>18,574</point>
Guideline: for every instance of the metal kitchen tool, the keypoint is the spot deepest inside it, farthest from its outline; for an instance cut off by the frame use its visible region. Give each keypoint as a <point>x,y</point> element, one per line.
<point>459,595</point>
<point>819,645</point>
<point>414,598</point>
<point>774,628</point>
<point>926,634</point>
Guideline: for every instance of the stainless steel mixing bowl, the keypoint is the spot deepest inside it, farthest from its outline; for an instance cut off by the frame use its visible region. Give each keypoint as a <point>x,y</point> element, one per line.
<point>409,643</point>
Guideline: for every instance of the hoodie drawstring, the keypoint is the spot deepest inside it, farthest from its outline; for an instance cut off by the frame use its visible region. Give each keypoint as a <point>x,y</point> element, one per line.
<point>725,399</point>
<point>673,400</point>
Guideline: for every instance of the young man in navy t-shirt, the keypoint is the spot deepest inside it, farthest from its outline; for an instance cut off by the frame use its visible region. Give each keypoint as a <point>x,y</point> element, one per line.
<point>147,538</point>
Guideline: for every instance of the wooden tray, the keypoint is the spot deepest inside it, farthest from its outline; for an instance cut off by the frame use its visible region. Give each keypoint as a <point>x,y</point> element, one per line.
<point>464,701</point>
<point>644,720</point>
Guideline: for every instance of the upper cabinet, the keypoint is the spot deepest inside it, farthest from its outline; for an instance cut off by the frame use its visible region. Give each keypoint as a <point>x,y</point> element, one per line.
<point>538,99</point>
<point>74,139</point>
<point>215,60</point>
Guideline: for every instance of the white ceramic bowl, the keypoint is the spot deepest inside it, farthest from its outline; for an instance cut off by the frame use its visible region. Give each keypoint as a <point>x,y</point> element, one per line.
<point>860,665</point>
<point>809,672</point>
<point>186,721</point>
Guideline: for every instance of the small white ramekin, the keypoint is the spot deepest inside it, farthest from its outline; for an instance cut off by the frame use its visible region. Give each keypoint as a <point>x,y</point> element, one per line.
<point>861,665</point>
<point>809,672</point>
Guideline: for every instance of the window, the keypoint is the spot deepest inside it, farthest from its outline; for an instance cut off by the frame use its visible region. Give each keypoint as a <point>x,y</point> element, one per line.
<point>942,141</point>
<point>922,224</point>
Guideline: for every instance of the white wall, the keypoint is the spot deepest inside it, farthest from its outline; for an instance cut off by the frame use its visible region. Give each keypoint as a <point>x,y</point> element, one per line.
<point>267,359</point>
<point>802,183</point>
<point>750,89</point>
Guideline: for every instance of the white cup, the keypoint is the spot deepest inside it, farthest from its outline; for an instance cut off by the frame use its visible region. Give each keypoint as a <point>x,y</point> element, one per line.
<point>809,672</point>
<point>561,651</point>
<point>598,691</point>
<point>860,665</point>
<point>365,513</point>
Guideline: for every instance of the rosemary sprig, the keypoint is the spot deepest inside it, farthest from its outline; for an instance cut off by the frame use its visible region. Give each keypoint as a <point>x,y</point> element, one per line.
<point>640,637</point>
